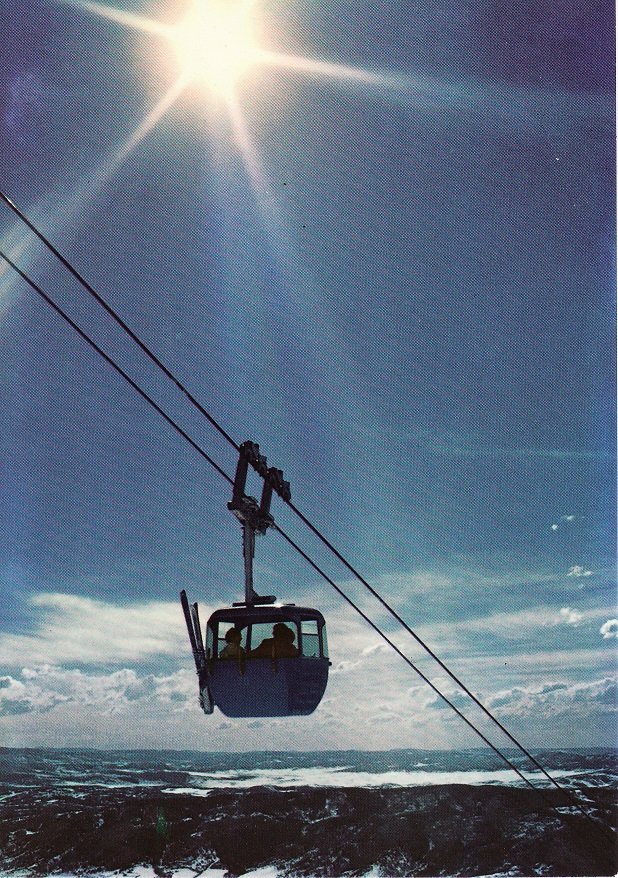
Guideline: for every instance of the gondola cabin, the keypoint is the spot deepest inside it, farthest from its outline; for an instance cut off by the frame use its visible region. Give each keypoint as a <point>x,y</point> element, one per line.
<point>259,657</point>
<point>266,661</point>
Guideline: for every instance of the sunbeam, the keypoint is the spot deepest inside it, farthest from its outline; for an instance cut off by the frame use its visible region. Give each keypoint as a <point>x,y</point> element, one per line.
<point>216,43</point>
<point>15,242</point>
<point>342,72</point>
<point>22,247</point>
<point>129,19</point>
<point>154,116</point>
<point>245,145</point>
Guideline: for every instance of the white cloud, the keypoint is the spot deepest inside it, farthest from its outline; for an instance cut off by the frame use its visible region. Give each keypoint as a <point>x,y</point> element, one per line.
<point>43,688</point>
<point>577,570</point>
<point>17,697</point>
<point>81,630</point>
<point>372,650</point>
<point>91,699</point>
<point>373,699</point>
<point>609,629</point>
<point>523,623</point>
<point>568,519</point>
<point>571,617</point>
<point>557,697</point>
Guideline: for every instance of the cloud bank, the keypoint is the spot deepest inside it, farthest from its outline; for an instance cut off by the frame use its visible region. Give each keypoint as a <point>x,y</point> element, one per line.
<point>41,689</point>
<point>76,629</point>
<point>111,675</point>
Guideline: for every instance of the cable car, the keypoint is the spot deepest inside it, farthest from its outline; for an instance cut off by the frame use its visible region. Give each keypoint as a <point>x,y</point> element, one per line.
<point>260,657</point>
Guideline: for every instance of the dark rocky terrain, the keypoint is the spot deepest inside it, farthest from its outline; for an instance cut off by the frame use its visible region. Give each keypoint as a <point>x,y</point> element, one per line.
<point>447,830</point>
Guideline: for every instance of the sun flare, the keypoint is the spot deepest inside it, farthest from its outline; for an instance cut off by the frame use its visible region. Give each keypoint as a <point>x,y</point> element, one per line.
<point>215,43</point>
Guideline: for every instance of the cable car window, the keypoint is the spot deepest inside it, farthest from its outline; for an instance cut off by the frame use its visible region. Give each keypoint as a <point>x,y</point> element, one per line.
<point>324,642</point>
<point>232,641</point>
<point>210,641</point>
<point>274,640</point>
<point>310,637</point>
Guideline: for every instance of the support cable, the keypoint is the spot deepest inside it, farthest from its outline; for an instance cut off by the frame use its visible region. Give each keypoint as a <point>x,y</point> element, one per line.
<point>224,433</point>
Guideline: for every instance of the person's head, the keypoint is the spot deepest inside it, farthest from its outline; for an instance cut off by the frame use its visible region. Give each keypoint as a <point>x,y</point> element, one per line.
<point>282,632</point>
<point>233,636</point>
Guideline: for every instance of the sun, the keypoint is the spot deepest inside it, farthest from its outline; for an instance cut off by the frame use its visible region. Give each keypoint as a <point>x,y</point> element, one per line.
<point>216,43</point>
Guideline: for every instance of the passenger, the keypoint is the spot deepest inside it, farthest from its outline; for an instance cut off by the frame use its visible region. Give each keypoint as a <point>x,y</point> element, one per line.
<point>233,648</point>
<point>280,645</point>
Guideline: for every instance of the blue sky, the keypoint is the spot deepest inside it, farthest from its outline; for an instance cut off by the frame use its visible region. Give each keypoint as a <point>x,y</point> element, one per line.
<point>393,266</point>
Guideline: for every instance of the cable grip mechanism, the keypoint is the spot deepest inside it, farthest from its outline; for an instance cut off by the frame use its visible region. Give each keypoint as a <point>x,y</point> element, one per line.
<point>255,518</point>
